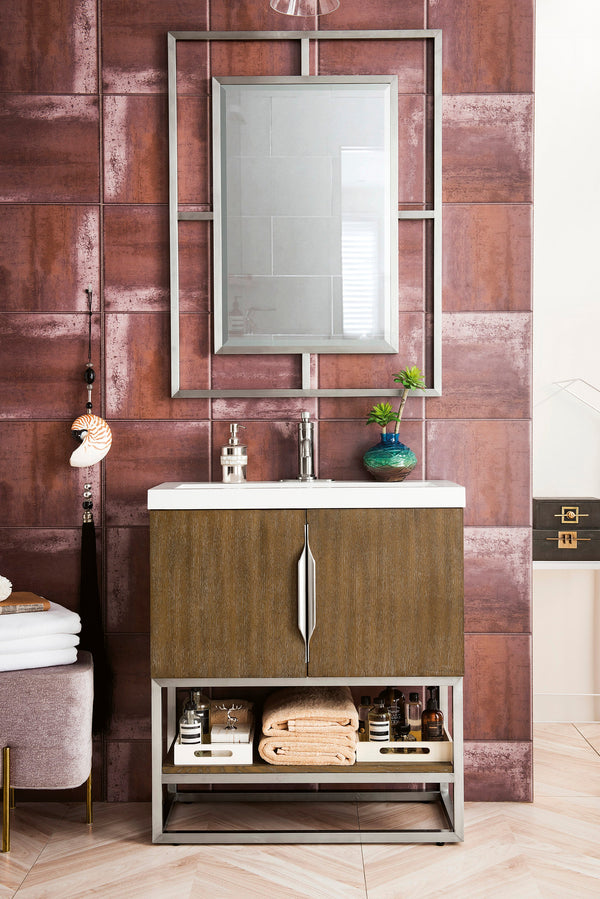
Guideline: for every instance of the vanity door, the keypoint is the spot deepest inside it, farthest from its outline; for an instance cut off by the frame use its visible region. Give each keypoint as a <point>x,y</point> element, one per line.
<point>224,593</point>
<point>389,592</point>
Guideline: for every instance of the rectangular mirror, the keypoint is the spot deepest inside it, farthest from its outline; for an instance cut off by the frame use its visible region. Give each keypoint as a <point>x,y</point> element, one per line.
<point>305,214</point>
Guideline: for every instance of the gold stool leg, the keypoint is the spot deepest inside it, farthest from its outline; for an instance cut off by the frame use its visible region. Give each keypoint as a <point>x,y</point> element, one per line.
<point>88,800</point>
<point>6,799</point>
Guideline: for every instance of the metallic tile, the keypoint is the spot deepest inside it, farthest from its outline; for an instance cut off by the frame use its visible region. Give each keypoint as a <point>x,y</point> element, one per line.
<point>363,370</point>
<point>487,259</point>
<point>45,561</point>
<point>256,372</point>
<point>411,149</point>
<point>375,14</point>
<point>135,149</point>
<point>136,258</point>
<point>498,580</point>
<point>193,142</point>
<point>486,369</point>
<point>50,48</point>
<point>488,148</point>
<point>406,59</point>
<point>38,487</point>
<point>492,459</point>
<point>127,765</point>
<point>411,266</point>
<point>497,687</point>
<point>488,47</point>
<point>138,366</point>
<point>248,15</point>
<point>498,771</point>
<point>43,374</point>
<point>147,453</point>
<point>251,58</point>
<point>61,163</point>
<point>129,659</point>
<point>127,580</point>
<point>48,256</point>
<point>134,41</point>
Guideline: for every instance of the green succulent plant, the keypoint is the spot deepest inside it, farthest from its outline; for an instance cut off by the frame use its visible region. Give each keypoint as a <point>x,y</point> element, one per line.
<point>382,414</point>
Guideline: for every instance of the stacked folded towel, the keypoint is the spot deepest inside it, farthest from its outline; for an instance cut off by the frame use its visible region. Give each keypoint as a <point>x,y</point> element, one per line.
<point>39,639</point>
<point>309,726</point>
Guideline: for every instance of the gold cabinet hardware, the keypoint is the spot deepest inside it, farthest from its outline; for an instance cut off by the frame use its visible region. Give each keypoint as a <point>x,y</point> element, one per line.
<point>570,515</point>
<point>568,539</point>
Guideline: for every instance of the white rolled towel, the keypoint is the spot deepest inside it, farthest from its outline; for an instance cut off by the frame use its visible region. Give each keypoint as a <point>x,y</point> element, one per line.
<point>5,588</point>
<point>38,644</point>
<point>57,620</point>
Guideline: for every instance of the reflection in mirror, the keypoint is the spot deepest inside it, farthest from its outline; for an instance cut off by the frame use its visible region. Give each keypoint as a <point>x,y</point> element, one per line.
<point>305,207</point>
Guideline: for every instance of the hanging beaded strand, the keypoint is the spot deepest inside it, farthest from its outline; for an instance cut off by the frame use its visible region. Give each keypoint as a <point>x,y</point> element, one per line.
<point>90,374</point>
<point>90,377</point>
<point>92,431</point>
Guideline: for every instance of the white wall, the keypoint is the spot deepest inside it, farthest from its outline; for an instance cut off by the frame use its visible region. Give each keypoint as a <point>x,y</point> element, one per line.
<point>566,340</point>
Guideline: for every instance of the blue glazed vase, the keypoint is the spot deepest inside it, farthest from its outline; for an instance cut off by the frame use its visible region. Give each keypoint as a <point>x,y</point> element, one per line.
<point>390,459</point>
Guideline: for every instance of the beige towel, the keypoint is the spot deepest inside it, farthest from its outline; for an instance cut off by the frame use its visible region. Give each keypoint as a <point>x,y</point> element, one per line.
<point>315,750</point>
<point>308,711</point>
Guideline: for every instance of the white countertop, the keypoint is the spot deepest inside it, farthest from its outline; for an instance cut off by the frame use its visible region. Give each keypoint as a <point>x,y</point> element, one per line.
<point>312,495</point>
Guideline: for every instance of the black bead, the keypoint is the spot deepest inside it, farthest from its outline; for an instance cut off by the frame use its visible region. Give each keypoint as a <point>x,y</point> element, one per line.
<point>90,376</point>
<point>88,405</point>
<point>88,504</point>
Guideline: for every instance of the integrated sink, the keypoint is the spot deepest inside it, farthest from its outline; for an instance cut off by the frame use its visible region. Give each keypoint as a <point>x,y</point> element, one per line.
<point>295,494</point>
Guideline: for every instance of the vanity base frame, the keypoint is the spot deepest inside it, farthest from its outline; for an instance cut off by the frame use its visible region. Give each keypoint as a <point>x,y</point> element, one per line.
<point>444,781</point>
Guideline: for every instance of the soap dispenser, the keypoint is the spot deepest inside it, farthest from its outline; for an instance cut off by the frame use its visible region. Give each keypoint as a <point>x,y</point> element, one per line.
<point>234,458</point>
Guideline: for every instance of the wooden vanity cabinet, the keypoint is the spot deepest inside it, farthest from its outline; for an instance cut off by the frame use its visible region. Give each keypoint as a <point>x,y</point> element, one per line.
<point>388,598</point>
<point>381,580</point>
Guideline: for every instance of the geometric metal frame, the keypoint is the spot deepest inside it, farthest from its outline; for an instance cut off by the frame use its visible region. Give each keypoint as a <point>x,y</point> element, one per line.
<point>433,215</point>
<point>446,789</point>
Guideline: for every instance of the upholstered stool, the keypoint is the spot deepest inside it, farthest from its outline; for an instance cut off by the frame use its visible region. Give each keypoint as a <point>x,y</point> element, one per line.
<point>46,731</point>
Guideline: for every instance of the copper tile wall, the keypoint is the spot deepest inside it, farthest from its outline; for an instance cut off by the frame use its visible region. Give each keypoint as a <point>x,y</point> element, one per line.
<point>83,193</point>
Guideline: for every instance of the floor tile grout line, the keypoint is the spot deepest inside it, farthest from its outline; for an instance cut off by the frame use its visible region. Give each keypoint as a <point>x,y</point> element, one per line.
<point>591,745</point>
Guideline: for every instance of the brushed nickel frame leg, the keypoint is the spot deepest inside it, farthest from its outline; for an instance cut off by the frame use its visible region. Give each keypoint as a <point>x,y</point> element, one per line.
<point>6,799</point>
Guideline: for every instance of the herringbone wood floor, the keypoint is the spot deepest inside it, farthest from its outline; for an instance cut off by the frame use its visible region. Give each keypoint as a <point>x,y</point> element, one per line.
<point>550,848</point>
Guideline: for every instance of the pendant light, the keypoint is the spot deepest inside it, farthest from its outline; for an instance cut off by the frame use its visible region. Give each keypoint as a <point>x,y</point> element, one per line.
<point>304,7</point>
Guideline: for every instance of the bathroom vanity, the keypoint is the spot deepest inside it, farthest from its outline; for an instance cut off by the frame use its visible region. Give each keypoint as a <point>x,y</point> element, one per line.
<point>262,585</point>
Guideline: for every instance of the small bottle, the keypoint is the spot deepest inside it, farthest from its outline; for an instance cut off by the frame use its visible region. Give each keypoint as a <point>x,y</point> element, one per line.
<point>405,735</point>
<point>363,714</point>
<point>413,711</point>
<point>379,723</point>
<point>393,700</point>
<point>234,458</point>
<point>432,720</point>
<point>201,705</point>
<point>190,727</point>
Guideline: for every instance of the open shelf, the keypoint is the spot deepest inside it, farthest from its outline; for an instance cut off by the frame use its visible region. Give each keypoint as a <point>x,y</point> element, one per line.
<point>438,783</point>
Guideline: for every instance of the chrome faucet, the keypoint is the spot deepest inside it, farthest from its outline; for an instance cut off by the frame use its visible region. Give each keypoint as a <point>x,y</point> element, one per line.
<point>306,429</point>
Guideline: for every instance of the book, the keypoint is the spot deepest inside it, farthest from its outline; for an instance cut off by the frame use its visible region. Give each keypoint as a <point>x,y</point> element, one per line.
<point>23,602</point>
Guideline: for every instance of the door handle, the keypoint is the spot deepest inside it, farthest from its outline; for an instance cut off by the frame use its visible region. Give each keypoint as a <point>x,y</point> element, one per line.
<point>302,594</point>
<point>311,592</point>
<point>307,596</point>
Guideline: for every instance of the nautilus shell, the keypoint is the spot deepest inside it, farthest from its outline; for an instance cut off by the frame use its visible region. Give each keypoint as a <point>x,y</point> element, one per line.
<point>96,438</point>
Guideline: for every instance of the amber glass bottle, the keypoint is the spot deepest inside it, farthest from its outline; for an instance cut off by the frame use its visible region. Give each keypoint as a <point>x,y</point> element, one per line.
<point>432,720</point>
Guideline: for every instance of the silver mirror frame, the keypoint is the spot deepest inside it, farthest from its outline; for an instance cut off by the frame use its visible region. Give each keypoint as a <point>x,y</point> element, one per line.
<point>433,215</point>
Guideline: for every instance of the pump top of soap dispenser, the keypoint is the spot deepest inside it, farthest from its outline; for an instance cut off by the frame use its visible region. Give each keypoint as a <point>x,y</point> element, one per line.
<point>233,429</point>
